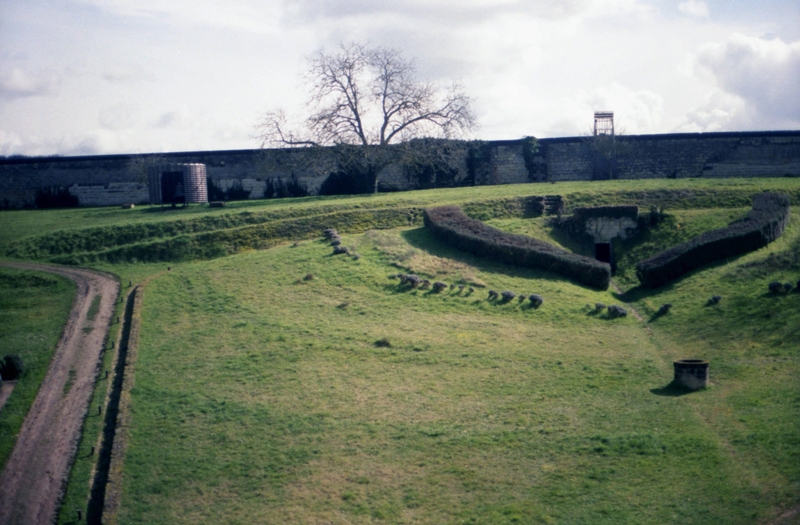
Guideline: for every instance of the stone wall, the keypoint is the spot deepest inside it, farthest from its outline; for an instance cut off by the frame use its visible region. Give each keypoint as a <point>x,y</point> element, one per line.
<point>117,179</point>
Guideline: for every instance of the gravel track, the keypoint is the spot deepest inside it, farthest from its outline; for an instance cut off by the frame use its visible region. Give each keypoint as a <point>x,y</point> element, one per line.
<point>32,483</point>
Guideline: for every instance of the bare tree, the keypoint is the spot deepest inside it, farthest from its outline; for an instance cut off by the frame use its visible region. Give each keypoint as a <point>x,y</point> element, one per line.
<point>606,150</point>
<point>362,100</point>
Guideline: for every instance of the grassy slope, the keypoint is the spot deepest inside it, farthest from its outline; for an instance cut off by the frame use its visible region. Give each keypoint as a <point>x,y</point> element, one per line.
<point>292,414</point>
<point>33,309</point>
<point>286,411</point>
<point>29,223</point>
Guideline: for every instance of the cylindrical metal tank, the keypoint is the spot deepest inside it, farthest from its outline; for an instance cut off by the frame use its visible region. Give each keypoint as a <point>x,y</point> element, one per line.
<point>163,181</point>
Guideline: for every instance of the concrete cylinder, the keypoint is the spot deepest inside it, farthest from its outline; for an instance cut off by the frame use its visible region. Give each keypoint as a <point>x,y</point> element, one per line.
<point>191,176</point>
<point>691,373</point>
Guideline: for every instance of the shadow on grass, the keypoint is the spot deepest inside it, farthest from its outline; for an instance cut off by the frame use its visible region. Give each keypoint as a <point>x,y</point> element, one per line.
<point>673,389</point>
<point>422,239</point>
<point>94,511</point>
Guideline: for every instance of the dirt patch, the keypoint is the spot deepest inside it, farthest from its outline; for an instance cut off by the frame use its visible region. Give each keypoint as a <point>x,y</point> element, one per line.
<point>35,475</point>
<point>5,392</point>
<point>790,517</point>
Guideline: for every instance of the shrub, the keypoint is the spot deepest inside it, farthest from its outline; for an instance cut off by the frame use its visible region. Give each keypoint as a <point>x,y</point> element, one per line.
<point>339,250</point>
<point>356,256</point>
<point>410,279</point>
<point>309,277</point>
<point>664,309</point>
<point>507,295</point>
<point>11,367</point>
<point>425,284</point>
<point>278,188</point>
<point>55,197</point>
<point>599,307</point>
<point>715,300</point>
<point>775,287</point>
<point>472,290</point>
<point>522,297</point>
<point>336,242</point>
<point>383,343</point>
<point>536,300</point>
<point>492,295</point>
<point>615,311</point>
<point>330,232</point>
<point>787,287</point>
<point>763,224</point>
<point>450,225</point>
<point>438,286</point>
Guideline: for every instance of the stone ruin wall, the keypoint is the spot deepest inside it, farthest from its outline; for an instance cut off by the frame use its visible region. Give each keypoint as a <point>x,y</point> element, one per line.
<point>116,179</point>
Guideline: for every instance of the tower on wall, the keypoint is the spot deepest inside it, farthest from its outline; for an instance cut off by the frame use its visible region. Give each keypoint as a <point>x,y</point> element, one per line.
<point>181,183</point>
<point>603,123</point>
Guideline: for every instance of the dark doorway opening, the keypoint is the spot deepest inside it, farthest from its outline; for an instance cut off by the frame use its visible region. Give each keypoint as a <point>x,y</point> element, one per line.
<point>172,188</point>
<point>604,252</point>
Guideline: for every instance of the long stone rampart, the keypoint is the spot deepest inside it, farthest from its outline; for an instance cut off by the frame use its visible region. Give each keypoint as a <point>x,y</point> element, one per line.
<point>120,179</point>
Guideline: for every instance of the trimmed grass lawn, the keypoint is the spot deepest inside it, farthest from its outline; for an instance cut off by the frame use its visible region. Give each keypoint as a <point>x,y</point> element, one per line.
<point>263,397</point>
<point>291,386</point>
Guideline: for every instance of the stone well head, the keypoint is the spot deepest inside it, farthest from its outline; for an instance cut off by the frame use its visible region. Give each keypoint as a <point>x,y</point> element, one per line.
<point>691,373</point>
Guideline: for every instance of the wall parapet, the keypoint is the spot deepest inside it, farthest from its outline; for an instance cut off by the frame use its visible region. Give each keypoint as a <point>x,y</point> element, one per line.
<point>673,155</point>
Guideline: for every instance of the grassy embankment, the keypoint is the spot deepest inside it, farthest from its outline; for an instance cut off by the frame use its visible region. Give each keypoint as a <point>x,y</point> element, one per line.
<point>263,397</point>
<point>288,410</point>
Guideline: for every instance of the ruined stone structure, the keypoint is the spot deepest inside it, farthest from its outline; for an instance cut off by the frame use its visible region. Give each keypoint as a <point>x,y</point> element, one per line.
<point>122,179</point>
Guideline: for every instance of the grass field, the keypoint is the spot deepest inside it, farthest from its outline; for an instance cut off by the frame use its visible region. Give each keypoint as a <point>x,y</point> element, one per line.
<point>290,386</point>
<point>33,310</point>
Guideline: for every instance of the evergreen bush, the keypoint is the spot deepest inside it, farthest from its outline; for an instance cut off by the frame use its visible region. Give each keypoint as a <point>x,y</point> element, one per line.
<point>763,224</point>
<point>450,225</point>
<point>438,286</point>
<point>11,367</point>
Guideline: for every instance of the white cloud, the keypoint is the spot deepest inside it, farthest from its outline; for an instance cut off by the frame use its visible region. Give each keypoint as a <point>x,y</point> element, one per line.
<point>635,111</point>
<point>722,112</point>
<point>457,11</point>
<point>125,74</point>
<point>10,143</point>
<point>240,15</point>
<point>18,83</point>
<point>172,118</point>
<point>762,74</point>
<point>695,8</point>
<point>119,116</point>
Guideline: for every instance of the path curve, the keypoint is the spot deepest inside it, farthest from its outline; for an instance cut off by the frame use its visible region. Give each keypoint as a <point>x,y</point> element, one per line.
<point>32,483</point>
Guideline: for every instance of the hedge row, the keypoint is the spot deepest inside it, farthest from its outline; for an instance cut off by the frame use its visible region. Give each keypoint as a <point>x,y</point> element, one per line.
<point>450,225</point>
<point>762,225</point>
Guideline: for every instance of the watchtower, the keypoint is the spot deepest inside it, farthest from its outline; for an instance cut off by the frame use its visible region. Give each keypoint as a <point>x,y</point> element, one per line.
<point>603,123</point>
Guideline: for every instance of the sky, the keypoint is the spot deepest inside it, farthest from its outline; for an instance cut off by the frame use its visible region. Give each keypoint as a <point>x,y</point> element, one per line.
<point>85,77</point>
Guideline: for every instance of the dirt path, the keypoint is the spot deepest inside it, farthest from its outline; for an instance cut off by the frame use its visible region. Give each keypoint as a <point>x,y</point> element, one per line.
<point>32,482</point>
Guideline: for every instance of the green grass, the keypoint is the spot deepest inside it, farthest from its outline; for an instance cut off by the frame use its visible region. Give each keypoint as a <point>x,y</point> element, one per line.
<point>33,310</point>
<point>273,403</point>
<point>81,475</point>
<point>82,236</point>
<point>263,397</point>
